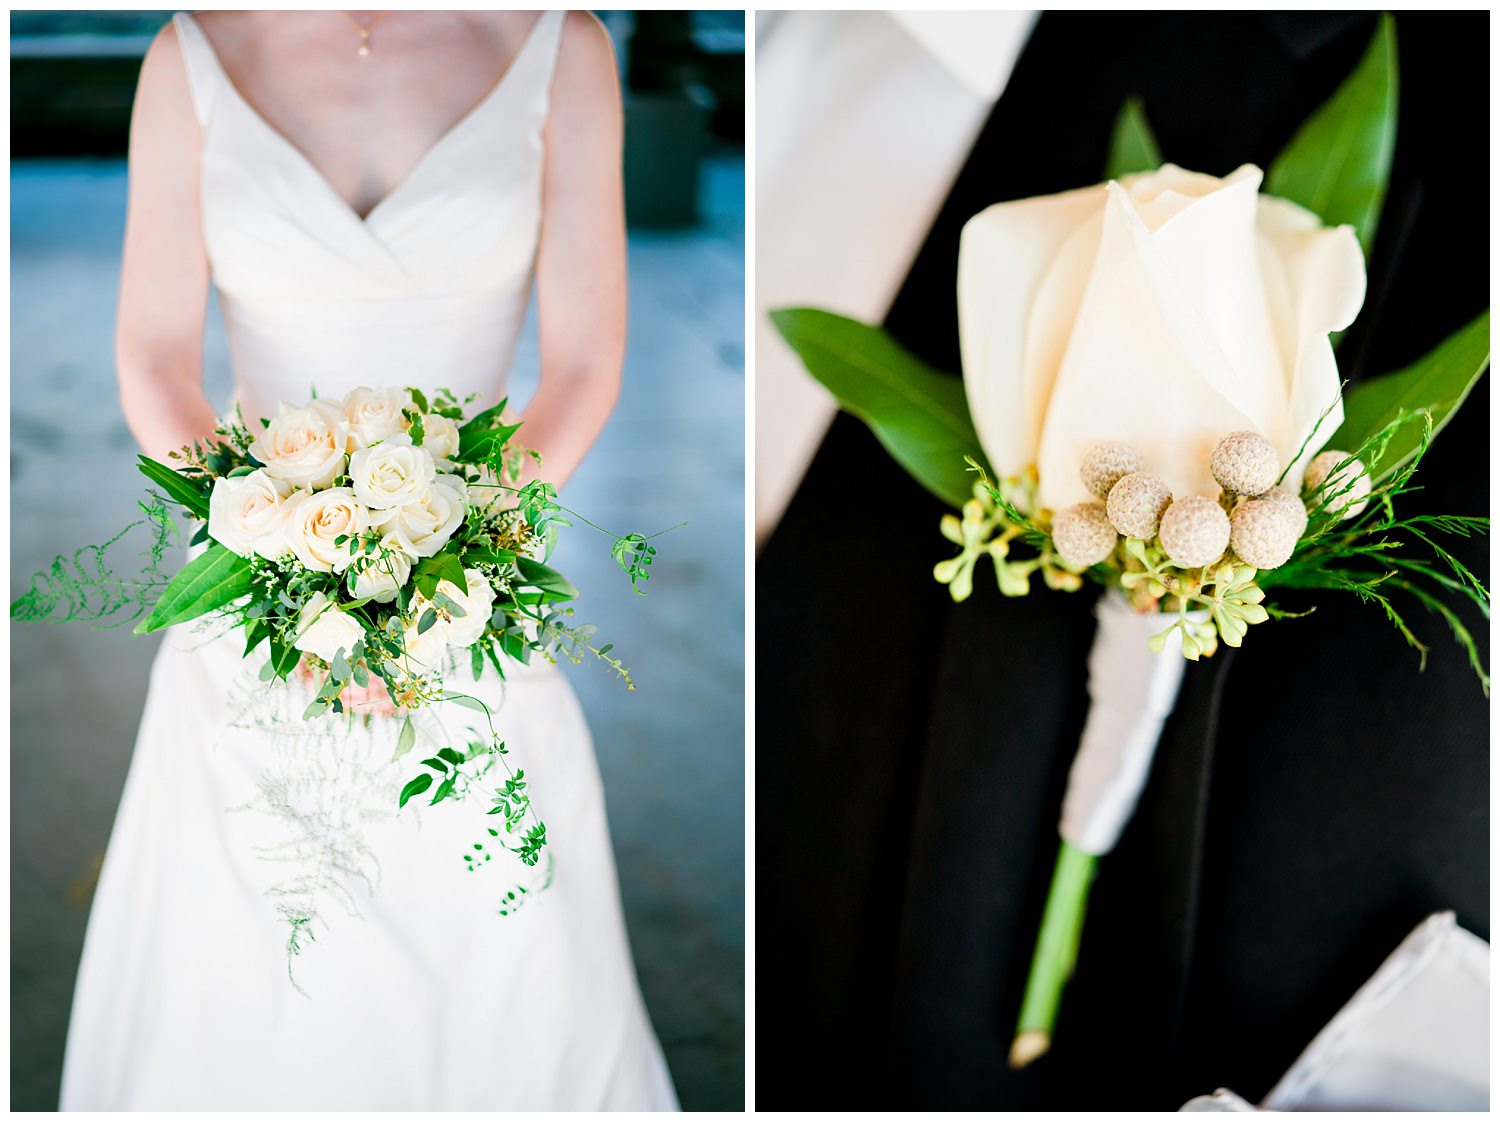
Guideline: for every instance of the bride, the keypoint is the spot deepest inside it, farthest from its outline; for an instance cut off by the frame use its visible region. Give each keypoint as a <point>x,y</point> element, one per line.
<point>371,195</point>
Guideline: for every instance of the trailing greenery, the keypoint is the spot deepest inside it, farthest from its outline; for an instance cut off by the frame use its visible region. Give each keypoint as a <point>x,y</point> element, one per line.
<point>390,607</point>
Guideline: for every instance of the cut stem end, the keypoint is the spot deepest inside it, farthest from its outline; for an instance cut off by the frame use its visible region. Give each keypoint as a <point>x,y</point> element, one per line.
<point>1028,1046</point>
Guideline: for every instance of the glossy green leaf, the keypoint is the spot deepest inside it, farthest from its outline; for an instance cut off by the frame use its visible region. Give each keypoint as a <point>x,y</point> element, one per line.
<point>545,579</point>
<point>209,581</point>
<point>177,486</point>
<point>415,787</point>
<point>1438,383</point>
<point>1132,147</point>
<point>918,413</point>
<point>284,658</point>
<point>431,571</point>
<point>1339,161</point>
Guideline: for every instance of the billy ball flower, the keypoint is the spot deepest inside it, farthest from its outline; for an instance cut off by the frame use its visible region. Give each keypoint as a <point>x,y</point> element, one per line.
<point>1194,531</point>
<point>1291,501</point>
<point>1136,504</point>
<point>1264,532</point>
<point>1245,463</point>
<point>1106,464</point>
<point>1082,535</point>
<point>1344,491</point>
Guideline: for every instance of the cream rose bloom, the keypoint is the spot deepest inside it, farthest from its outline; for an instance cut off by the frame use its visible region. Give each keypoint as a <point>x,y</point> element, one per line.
<point>323,630</point>
<point>428,650</point>
<point>317,519</point>
<point>440,437</point>
<point>374,415</point>
<point>392,473</point>
<point>304,446</point>
<point>381,580</point>
<point>1163,311</point>
<point>423,527</point>
<point>448,632</point>
<point>478,603</point>
<point>247,514</point>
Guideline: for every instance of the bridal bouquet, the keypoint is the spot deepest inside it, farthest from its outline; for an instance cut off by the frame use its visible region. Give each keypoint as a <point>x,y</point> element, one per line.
<point>1151,402</point>
<point>372,545</point>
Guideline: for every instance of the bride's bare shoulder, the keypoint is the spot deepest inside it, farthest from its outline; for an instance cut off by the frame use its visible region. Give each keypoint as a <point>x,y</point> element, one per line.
<point>585,60</point>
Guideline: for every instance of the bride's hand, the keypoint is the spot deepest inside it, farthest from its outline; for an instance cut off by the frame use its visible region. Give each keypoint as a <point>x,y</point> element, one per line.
<point>373,699</point>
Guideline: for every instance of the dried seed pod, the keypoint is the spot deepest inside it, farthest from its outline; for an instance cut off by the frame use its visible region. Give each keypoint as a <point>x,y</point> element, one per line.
<point>1082,535</point>
<point>1264,532</point>
<point>1245,463</point>
<point>1346,491</point>
<point>1194,531</point>
<point>1105,464</point>
<point>1293,503</point>
<point>1136,504</point>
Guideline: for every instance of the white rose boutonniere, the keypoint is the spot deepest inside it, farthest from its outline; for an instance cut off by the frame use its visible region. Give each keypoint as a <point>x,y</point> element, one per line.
<point>1162,311</point>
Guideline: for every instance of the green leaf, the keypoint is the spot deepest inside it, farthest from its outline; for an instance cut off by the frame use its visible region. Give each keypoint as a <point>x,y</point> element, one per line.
<point>451,756</point>
<point>405,739</point>
<point>544,579</point>
<point>425,624</point>
<point>466,701</point>
<point>1132,147</point>
<point>445,566</point>
<point>478,555</point>
<point>1438,383</point>
<point>919,414</point>
<point>177,486</point>
<point>284,658</point>
<point>415,788</point>
<point>1338,162</point>
<point>209,581</point>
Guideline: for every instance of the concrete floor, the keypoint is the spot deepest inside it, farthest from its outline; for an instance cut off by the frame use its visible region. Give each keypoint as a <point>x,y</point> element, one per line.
<point>672,753</point>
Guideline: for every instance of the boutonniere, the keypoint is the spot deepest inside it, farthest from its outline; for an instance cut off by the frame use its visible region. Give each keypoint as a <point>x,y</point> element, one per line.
<point>1151,402</point>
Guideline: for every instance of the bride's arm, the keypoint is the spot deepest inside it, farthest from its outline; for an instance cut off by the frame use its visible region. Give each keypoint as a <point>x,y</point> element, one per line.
<point>581,258</point>
<point>164,277</point>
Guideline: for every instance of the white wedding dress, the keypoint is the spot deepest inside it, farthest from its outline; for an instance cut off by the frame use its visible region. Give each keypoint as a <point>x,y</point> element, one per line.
<point>244,833</point>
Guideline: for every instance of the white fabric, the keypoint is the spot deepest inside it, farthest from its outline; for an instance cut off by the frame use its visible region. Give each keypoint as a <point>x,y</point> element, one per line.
<point>238,817</point>
<point>1415,1037</point>
<point>862,120</point>
<point>1131,693</point>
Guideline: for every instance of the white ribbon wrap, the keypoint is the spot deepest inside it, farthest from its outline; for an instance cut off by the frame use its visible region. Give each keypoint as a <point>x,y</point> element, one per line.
<point>1131,692</point>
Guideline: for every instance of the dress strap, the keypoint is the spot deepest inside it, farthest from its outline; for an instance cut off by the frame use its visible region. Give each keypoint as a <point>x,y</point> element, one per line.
<point>205,76</point>
<point>542,48</point>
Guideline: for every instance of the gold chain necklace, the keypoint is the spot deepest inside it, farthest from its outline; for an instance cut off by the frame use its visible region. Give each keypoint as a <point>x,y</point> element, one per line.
<point>365,32</point>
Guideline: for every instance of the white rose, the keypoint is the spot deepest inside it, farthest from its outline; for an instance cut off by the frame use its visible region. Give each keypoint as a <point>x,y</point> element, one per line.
<point>304,446</point>
<point>1163,311</point>
<point>440,436</point>
<point>323,630</point>
<point>247,514</point>
<point>375,415</point>
<point>428,650</point>
<point>477,604</point>
<point>315,521</point>
<point>392,473</point>
<point>423,527</point>
<point>381,580</point>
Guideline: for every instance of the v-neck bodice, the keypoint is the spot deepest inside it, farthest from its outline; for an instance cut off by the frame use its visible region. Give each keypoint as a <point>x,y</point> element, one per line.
<point>429,288</point>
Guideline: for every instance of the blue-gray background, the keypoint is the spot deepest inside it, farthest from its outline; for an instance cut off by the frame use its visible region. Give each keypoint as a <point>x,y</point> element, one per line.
<point>671,753</point>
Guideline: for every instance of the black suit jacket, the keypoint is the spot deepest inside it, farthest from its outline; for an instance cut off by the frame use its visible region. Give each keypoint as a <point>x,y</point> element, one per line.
<point>1314,797</point>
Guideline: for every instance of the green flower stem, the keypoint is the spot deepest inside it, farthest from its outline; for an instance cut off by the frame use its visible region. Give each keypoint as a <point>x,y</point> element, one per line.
<point>1056,952</point>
